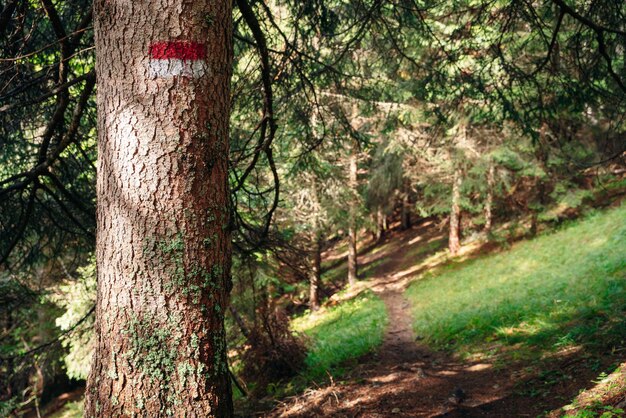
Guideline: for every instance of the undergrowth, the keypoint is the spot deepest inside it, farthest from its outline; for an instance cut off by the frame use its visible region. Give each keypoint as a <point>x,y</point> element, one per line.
<point>340,333</point>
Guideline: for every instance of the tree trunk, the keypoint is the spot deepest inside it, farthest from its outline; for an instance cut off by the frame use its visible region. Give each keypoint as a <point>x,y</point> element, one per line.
<point>352,179</point>
<point>405,218</point>
<point>538,207</point>
<point>455,214</point>
<point>163,247</point>
<point>315,276</point>
<point>533,223</point>
<point>380,224</point>
<point>491,180</point>
<point>239,321</point>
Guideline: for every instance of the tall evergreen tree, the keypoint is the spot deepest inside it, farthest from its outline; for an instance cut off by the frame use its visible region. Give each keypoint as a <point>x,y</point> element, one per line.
<point>163,244</point>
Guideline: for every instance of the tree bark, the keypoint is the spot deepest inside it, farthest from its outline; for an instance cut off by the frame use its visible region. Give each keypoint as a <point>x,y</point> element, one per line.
<point>380,224</point>
<point>491,180</point>
<point>405,218</point>
<point>163,244</point>
<point>353,183</point>
<point>455,213</point>
<point>315,276</point>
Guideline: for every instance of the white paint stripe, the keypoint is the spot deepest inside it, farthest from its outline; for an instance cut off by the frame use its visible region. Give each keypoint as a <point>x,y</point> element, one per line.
<point>165,68</point>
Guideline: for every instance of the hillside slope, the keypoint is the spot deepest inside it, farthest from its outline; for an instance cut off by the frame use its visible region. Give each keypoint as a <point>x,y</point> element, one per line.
<point>518,332</point>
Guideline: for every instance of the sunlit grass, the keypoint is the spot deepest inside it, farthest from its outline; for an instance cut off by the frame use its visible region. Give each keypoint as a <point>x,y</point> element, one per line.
<point>70,410</point>
<point>559,290</point>
<point>342,332</point>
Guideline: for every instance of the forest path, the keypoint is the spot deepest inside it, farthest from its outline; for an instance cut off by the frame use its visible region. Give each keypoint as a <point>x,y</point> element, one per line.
<point>404,378</point>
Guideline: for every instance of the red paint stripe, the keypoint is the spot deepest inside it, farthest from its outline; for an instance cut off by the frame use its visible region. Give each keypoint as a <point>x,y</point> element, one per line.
<point>183,50</point>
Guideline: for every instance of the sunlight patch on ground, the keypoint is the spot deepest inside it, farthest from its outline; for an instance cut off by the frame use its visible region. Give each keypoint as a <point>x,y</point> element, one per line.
<point>415,240</point>
<point>391,377</point>
<point>478,367</point>
<point>446,373</point>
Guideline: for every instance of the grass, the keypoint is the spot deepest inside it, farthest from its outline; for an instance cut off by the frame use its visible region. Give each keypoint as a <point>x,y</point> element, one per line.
<point>342,332</point>
<point>70,410</point>
<point>559,290</point>
<point>602,400</point>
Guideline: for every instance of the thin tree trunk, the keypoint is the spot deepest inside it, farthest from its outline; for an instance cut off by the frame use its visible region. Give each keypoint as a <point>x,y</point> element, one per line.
<point>163,247</point>
<point>455,214</point>
<point>44,334</point>
<point>623,49</point>
<point>353,183</point>
<point>352,260</point>
<point>315,276</point>
<point>380,224</point>
<point>10,362</point>
<point>534,218</point>
<point>406,207</point>
<point>540,183</point>
<point>491,180</point>
<point>239,321</point>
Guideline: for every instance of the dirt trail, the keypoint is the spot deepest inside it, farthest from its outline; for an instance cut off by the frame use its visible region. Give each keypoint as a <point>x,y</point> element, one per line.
<point>404,378</point>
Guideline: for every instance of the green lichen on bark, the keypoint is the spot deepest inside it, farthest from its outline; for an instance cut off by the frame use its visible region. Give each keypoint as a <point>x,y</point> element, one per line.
<point>168,255</point>
<point>153,348</point>
<point>219,346</point>
<point>112,372</point>
<point>156,349</point>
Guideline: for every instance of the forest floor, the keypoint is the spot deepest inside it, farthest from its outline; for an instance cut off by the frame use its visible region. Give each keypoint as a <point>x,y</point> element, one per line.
<point>405,378</point>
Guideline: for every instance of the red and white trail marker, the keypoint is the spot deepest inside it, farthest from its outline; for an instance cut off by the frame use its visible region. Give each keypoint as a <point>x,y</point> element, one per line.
<point>177,58</point>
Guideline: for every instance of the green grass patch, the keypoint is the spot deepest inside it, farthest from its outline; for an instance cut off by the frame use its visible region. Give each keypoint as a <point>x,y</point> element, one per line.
<point>340,333</point>
<point>561,289</point>
<point>610,184</point>
<point>70,410</point>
